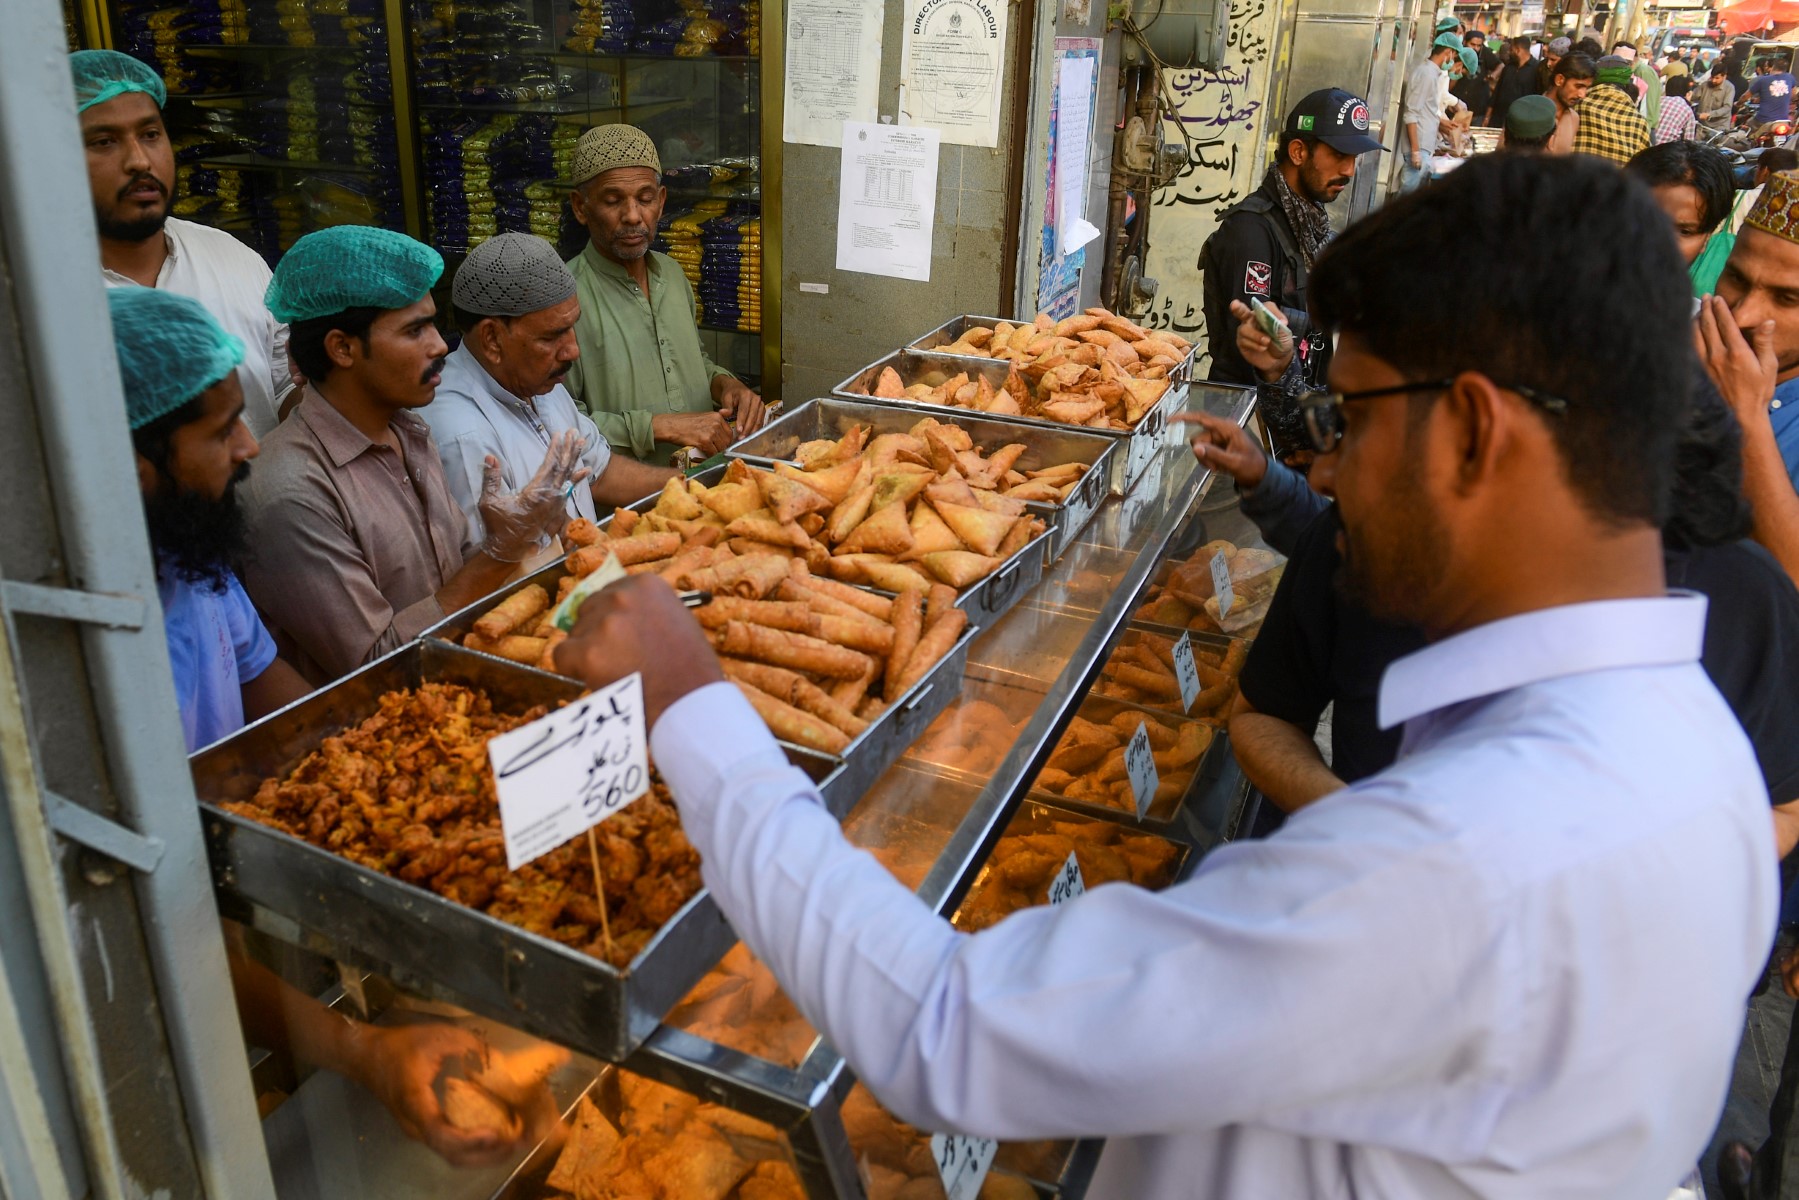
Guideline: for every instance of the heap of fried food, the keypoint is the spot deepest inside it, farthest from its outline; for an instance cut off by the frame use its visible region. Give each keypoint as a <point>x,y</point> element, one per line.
<point>1142,671</point>
<point>1035,847</point>
<point>1096,369</point>
<point>1184,596</point>
<point>1088,762</point>
<point>408,792</point>
<point>664,1144</point>
<point>972,735</point>
<point>739,1004</point>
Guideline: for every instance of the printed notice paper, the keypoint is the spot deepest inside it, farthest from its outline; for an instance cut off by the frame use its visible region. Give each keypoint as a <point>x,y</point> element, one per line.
<point>887,200</point>
<point>952,63</point>
<point>833,67</point>
<point>1074,117</point>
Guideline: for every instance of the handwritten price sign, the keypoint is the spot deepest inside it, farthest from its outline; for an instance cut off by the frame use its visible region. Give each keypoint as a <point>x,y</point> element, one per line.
<point>1221,583</point>
<point>1140,765</point>
<point>1186,671</point>
<point>963,1163</point>
<point>560,776</point>
<point>1068,882</point>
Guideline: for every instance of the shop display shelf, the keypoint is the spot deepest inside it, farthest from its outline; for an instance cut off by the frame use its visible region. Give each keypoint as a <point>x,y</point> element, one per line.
<point>423,942</point>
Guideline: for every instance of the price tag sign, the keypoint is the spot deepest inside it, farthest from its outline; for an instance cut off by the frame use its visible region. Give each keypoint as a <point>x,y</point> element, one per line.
<point>1186,672</point>
<point>963,1163</point>
<point>1140,765</point>
<point>1068,882</point>
<point>1221,583</point>
<point>561,775</point>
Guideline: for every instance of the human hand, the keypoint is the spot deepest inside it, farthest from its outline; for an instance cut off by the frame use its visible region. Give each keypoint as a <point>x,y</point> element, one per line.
<point>639,624</point>
<point>521,523</point>
<point>742,407</point>
<point>1267,356</point>
<point>1225,446</point>
<point>400,1064</point>
<point>708,432</point>
<point>1743,372</point>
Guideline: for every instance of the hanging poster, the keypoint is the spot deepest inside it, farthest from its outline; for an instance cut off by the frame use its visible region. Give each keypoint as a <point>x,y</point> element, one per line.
<point>952,66</point>
<point>1059,274</point>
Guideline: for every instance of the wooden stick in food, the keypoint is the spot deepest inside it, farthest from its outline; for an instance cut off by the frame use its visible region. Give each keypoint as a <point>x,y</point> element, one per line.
<point>798,618</point>
<point>791,687</point>
<point>796,650</point>
<point>908,625</point>
<point>512,612</point>
<point>937,640</point>
<point>789,723</point>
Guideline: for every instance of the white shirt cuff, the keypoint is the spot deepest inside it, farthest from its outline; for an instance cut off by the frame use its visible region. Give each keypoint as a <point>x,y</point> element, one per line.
<point>702,738</point>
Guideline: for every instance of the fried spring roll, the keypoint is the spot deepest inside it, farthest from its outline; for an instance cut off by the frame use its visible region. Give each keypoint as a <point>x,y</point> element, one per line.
<point>685,563</point>
<point>650,546</point>
<point>866,636</point>
<point>936,641</point>
<point>793,688</point>
<point>588,559</point>
<point>787,722</point>
<point>546,624</point>
<point>940,599</point>
<point>655,567</point>
<point>850,692</point>
<point>512,612</point>
<point>1163,687</point>
<point>870,708</point>
<point>1233,659</point>
<point>795,617</point>
<point>751,578</point>
<point>908,626</point>
<point>1162,648</point>
<point>519,649</point>
<point>547,662</point>
<point>581,532</point>
<point>796,650</point>
<point>878,607</point>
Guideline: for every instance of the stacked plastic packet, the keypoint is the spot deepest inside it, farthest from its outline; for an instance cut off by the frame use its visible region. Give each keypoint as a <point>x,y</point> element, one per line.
<point>679,236</point>
<point>730,285</point>
<point>602,27</point>
<point>215,194</point>
<point>157,34</point>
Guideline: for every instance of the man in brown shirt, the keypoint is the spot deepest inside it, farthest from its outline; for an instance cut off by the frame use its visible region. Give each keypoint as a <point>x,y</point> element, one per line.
<point>1572,80</point>
<point>358,545</point>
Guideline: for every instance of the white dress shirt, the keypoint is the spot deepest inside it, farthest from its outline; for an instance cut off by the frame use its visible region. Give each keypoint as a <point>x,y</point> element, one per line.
<point>229,279</point>
<point>1423,107</point>
<point>472,416</point>
<point>1514,964</point>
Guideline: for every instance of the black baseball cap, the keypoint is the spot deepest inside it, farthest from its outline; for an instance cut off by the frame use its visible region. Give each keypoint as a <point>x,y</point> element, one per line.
<point>1335,117</point>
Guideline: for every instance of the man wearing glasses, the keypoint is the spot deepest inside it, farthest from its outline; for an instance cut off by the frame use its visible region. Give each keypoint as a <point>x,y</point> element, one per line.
<point>1441,981</point>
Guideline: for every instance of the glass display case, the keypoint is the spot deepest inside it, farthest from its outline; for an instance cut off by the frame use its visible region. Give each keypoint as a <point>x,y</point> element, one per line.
<point>976,816</point>
<point>456,121</point>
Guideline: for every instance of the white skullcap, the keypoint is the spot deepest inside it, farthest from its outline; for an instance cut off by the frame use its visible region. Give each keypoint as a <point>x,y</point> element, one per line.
<point>511,275</point>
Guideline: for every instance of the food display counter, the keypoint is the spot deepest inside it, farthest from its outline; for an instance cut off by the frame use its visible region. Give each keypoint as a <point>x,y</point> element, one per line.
<point>697,1076</point>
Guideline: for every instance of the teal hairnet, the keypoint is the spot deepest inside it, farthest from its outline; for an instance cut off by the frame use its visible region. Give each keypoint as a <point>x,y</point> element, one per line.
<point>351,266</point>
<point>101,75</point>
<point>170,350</point>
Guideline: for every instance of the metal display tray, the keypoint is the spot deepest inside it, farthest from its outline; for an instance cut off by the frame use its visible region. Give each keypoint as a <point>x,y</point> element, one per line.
<point>1101,709</point>
<point>915,366</point>
<point>832,418</point>
<point>422,941</point>
<point>870,752</point>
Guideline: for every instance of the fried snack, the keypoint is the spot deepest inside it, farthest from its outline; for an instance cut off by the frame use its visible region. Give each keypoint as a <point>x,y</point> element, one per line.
<point>793,650</point>
<point>850,692</point>
<point>787,722</point>
<point>624,521</point>
<point>750,578</point>
<point>512,612</point>
<point>908,627</point>
<point>518,649</point>
<point>936,641</point>
<point>866,636</point>
<point>514,1076</point>
<point>547,660</point>
<point>938,600</point>
<point>960,568</point>
<point>776,615</point>
<point>590,1147</point>
<point>1037,844</point>
<point>893,576</point>
<point>469,1106</point>
<point>790,687</point>
<point>581,532</point>
<point>645,547</point>
<point>408,793</point>
<point>875,606</point>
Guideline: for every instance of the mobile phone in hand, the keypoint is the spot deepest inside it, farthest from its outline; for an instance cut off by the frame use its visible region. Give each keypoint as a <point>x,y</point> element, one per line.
<point>1273,326</point>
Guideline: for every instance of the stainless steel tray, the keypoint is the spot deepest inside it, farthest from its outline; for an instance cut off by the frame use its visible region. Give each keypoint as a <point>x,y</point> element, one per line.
<point>946,333</point>
<point>914,366</point>
<point>1044,447</point>
<point>423,942</point>
<point>1101,709</point>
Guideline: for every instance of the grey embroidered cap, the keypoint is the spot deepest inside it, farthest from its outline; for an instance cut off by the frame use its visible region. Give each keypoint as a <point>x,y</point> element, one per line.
<point>511,275</point>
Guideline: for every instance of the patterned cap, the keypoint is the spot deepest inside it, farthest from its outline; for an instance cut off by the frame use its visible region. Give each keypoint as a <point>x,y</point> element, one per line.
<point>1560,46</point>
<point>351,266</point>
<point>608,147</point>
<point>511,275</point>
<point>1777,212</point>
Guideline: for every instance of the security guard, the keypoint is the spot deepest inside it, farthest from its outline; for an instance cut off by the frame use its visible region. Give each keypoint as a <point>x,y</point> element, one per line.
<point>1265,246</point>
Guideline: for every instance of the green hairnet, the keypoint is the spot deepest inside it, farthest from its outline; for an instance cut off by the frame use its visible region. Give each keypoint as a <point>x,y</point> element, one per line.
<point>1470,61</point>
<point>351,266</point>
<point>170,350</point>
<point>101,75</point>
